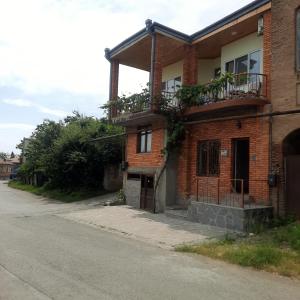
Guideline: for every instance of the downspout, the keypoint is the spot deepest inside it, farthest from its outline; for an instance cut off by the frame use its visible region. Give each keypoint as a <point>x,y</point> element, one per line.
<point>150,30</point>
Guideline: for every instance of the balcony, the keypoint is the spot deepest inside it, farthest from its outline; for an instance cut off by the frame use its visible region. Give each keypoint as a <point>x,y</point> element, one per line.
<point>231,91</point>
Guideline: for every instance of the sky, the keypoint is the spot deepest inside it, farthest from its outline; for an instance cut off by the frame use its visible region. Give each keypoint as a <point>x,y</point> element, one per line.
<point>52,54</point>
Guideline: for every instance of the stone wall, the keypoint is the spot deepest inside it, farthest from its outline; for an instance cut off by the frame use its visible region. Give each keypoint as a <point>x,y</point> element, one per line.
<point>112,180</point>
<point>232,218</point>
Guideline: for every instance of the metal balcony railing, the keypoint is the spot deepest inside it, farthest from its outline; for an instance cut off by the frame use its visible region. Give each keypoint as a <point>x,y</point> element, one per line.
<point>234,193</point>
<point>242,86</point>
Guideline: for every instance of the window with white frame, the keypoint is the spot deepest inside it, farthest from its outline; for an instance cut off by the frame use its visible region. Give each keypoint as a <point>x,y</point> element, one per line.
<point>249,63</point>
<point>172,85</point>
<point>144,140</point>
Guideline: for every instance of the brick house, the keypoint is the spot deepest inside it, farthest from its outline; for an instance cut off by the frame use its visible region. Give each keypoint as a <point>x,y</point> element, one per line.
<point>226,170</point>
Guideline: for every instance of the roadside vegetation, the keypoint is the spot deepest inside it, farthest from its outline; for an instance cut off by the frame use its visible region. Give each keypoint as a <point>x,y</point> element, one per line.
<point>57,194</point>
<point>274,250</point>
<point>63,160</point>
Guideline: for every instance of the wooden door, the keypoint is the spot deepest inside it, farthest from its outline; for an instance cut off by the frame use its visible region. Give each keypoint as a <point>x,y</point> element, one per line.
<point>147,192</point>
<point>293,185</point>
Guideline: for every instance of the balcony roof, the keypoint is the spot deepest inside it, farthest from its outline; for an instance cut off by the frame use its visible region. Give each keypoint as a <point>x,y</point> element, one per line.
<point>140,42</point>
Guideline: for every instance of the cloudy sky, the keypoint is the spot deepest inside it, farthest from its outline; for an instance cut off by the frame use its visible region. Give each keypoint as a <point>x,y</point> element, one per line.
<point>52,53</point>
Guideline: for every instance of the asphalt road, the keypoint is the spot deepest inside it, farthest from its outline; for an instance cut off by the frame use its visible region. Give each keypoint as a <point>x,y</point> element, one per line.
<point>44,256</point>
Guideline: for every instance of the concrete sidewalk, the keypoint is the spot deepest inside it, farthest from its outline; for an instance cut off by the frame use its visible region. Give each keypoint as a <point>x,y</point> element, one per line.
<point>157,229</point>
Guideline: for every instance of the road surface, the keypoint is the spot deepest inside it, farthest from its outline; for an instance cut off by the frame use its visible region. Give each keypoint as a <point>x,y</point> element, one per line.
<point>44,256</point>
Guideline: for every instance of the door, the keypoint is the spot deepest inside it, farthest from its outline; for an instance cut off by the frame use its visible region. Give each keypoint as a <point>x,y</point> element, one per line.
<point>147,192</point>
<point>241,165</point>
<point>293,185</point>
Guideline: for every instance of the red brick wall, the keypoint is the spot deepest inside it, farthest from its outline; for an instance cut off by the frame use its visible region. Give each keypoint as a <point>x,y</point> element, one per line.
<point>267,56</point>
<point>153,159</point>
<point>190,65</point>
<point>225,131</point>
<point>283,85</point>
<point>157,73</point>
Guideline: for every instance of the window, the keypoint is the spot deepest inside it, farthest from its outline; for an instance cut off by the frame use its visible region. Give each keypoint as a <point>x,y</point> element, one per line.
<point>298,40</point>
<point>249,63</point>
<point>132,176</point>
<point>144,140</point>
<point>172,85</point>
<point>208,158</point>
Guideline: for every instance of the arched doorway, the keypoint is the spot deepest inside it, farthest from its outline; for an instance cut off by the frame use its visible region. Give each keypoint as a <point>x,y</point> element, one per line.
<point>291,154</point>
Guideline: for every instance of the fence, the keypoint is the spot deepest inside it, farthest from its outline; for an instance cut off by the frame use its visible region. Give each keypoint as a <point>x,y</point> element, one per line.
<point>234,192</point>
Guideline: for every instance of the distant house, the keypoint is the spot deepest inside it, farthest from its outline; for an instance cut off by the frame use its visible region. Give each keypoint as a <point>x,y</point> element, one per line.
<point>8,167</point>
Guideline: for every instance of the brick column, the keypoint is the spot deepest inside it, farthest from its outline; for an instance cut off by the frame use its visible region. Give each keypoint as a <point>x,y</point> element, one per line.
<point>113,85</point>
<point>156,72</point>
<point>190,65</point>
<point>267,50</point>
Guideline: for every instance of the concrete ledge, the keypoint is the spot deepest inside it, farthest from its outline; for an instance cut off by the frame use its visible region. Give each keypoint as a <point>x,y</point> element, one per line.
<point>232,218</point>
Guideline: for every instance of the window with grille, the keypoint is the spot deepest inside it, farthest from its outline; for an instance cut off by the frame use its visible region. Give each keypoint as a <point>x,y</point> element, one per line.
<point>144,140</point>
<point>208,162</point>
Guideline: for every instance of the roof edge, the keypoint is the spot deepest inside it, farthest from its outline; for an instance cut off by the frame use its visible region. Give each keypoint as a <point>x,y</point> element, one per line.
<point>152,27</point>
<point>235,15</point>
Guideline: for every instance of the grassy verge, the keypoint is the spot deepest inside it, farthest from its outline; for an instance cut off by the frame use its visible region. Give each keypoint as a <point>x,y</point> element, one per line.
<point>64,196</point>
<point>275,250</point>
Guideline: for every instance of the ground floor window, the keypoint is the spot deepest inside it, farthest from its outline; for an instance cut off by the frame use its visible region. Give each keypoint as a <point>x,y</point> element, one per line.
<point>208,162</point>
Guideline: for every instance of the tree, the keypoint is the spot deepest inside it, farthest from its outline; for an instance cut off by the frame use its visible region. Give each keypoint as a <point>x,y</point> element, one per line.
<point>3,155</point>
<point>65,153</point>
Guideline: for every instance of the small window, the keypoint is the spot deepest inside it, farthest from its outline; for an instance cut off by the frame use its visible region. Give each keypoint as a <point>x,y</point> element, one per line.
<point>172,85</point>
<point>132,176</point>
<point>298,40</point>
<point>144,140</point>
<point>208,158</point>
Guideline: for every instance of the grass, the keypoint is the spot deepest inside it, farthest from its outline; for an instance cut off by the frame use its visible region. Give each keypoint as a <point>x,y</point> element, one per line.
<point>276,250</point>
<point>64,196</point>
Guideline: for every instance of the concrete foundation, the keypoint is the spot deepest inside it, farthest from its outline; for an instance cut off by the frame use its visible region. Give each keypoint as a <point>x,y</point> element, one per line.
<point>238,219</point>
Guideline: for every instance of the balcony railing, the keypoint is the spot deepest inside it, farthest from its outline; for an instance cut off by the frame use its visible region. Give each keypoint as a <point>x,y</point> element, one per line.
<point>237,86</point>
<point>234,193</point>
<point>245,85</point>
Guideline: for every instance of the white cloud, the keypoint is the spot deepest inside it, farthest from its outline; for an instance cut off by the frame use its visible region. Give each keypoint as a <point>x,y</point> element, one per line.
<point>59,45</point>
<point>40,108</point>
<point>21,126</point>
<point>18,102</point>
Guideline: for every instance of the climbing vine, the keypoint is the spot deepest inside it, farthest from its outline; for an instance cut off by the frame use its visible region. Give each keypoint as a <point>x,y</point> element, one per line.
<point>186,96</point>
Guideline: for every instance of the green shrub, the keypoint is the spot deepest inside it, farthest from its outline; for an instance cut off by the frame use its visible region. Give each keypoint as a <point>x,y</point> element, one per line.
<point>257,256</point>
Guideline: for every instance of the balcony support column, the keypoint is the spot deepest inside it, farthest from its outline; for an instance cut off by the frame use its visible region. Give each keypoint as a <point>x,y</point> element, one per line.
<point>113,85</point>
<point>190,65</point>
<point>156,72</point>
<point>267,55</point>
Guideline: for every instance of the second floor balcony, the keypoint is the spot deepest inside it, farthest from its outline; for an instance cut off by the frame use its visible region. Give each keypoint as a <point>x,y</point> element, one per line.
<point>231,90</point>
<point>185,70</point>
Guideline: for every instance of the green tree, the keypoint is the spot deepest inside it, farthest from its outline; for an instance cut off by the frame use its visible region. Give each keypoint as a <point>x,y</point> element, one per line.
<point>65,152</point>
<point>3,155</point>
